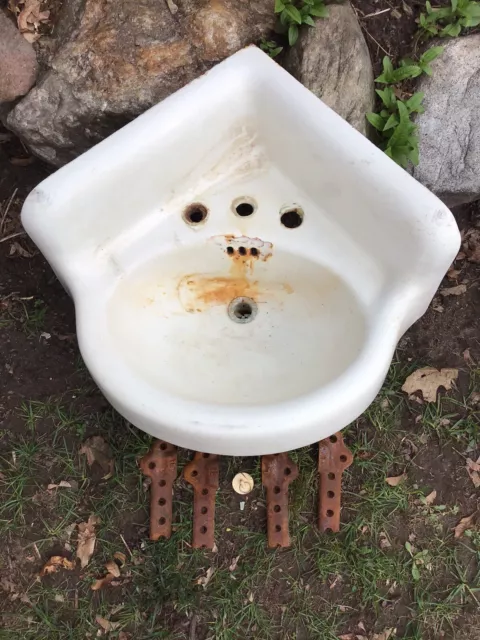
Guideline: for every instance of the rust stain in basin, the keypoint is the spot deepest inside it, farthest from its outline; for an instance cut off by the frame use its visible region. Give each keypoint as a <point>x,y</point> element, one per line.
<point>197,291</point>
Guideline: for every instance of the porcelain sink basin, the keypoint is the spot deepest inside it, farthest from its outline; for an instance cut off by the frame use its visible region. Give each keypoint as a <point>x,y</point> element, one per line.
<point>242,262</point>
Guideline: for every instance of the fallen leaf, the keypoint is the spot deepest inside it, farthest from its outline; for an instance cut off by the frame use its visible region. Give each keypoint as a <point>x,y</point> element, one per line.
<point>106,624</point>
<point>86,540</point>
<point>473,469</point>
<point>242,483</point>
<point>16,249</point>
<point>458,290</point>
<point>103,582</point>
<point>452,274</point>
<point>437,306</point>
<point>121,557</point>
<point>430,499</point>
<point>234,564</point>
<point>61,484</point>
<point>25,162</point>
<point>467,357</point>
<point>204,580</point>
<point>384,635</point>
<point>55,563</point>
<point>384,542</point>
<point>97,450</point>
<point>471,245</point>
<point>361,626</point>
<point>112,567</point>
<point>59,597</point>
<point>347,636</point>
<point>428,380</point>
<point>394,481</point>
<point>124,636</point>
<point>463,525</point>
<point>396,14</point>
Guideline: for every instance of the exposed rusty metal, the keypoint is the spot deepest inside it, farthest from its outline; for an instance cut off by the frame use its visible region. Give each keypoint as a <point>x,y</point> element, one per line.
<point>333,458</point>
<point>160,464</point>
<point>202,474</point>
<point>278,471</point>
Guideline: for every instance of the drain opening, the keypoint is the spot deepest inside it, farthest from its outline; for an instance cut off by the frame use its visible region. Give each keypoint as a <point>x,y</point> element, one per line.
<point>195,213</point>
<point>292,217</point>
<point>242,310</point>
<point>244,206</point>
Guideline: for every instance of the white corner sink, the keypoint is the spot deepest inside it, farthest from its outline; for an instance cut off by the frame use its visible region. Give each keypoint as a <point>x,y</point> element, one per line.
<point>241,334</point>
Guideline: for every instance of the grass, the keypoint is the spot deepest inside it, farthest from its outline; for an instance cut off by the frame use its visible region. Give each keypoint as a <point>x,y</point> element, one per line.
<point>319,588</point>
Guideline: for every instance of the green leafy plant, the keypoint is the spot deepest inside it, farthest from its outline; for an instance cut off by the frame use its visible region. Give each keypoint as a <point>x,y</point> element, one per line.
<point>270,47</point>
<point>408,68</point>
<point>398,134</point>
<point>293,16</point>
<point>449,21</point>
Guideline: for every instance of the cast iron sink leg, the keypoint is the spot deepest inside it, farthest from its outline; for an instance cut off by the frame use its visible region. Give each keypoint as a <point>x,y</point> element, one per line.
<point>160,464</point>
<point>202,474</point>
<point>278,471</point>
<point>333,458</point>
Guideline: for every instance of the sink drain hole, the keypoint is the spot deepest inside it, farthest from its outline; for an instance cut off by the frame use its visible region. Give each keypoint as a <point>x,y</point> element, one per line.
<point>242,310</point>
<point>291,217</point>
<point>244,206</point>
<point>195,213</point>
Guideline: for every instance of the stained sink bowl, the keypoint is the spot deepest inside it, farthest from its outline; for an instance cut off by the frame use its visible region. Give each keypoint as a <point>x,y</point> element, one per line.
<point>242,262</point>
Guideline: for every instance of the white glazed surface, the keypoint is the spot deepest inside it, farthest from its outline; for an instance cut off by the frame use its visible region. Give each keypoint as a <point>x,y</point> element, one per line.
<point>151,292</point>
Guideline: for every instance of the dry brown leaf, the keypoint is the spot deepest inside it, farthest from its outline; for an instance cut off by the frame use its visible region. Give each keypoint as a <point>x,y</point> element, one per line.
<point>25,162</point>
<point>428,380</point>
<point>347,636</point>
<point>61,484</point>
<point>384,635</point>
<point>384,542</point>
<point>86,540</point>
<point>473,469</point>
<point>234,564</point>
<point>471,245</point>
<point>102,582</point>
<point>204,580</point>
<point>458,290</point>
<point>124,636</point>
<point>452,274</point>
<point>112,567</point>
<point>463,525</point>
<point>16,249</point>
<point>394,481</point>
<point>430,499</point>
<point>97,450</point>
<point>121,557</point>
<point>407,8</point>
<point>468,358</point>
<point>106,624</point>
<point>55,563</point>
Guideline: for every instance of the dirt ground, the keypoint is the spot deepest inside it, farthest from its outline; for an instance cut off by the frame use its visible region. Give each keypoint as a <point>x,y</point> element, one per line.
<point>396,570</point>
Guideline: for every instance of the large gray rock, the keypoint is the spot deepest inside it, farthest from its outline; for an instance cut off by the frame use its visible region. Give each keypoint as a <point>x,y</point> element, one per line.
<point>113,60</point>
<point>18,62</point>
<point>449,129</point>
<point>332,60</point>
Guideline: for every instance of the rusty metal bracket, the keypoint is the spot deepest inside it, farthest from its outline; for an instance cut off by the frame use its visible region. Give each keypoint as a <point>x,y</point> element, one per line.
<point>278,471</point>
<point>160,464</point>
<point>333,458</point>
<point>202,474</point>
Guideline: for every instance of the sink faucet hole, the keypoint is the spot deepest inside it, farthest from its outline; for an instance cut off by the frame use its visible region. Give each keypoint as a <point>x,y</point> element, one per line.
<point>291,217</point>
<point>242,309</point>
<point>244,206</point>
<point>195,213</point>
